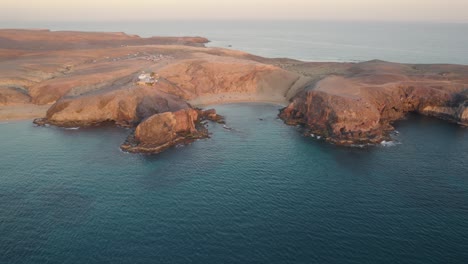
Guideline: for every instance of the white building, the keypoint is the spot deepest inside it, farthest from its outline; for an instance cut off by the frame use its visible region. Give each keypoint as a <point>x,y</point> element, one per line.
<point>146,79</point>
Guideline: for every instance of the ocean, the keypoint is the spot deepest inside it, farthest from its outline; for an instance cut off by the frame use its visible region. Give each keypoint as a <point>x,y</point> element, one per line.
<point>259,193</point>
<point>408,42</point>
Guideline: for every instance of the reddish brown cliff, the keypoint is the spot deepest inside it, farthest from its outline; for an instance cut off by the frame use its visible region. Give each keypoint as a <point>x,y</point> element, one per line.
<point>90,78</point>
<point>162,131</point>
<point>360,106</point>
<point>124,107</point>
<point>226,78</point>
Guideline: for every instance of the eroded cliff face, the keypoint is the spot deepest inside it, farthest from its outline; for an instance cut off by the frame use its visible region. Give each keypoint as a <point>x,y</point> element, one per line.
<point>360,107</point>
<point>164,130</point>
<point>338,119</point>
<point>124,107</point>
<point>458,114</point>
<point>214,75</point>
<point>161,131</point>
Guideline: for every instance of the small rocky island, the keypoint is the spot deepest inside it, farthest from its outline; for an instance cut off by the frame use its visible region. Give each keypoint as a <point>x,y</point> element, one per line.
<point>77,79</point>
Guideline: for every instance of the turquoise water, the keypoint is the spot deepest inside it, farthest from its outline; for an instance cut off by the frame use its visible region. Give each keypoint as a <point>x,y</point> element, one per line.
<point>260,193</point>
<point>305,40</point>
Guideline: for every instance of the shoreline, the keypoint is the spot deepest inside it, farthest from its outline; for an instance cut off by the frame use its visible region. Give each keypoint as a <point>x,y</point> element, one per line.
<point>215,103</point>
<point>233,98</point>
<point>29,112</point>
<point>95,81</point>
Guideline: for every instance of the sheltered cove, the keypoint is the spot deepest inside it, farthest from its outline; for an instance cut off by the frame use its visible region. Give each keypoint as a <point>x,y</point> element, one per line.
<point>86,79</point>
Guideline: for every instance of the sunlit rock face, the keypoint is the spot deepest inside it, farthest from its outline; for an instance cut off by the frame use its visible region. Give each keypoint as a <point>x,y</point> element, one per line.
<point>358,107</point>
<point>90,79</point>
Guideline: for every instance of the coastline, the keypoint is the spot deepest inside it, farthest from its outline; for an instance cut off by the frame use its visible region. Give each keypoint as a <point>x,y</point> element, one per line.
<point>233,98</point>
<point>29,112</point>
<point>344,103</point>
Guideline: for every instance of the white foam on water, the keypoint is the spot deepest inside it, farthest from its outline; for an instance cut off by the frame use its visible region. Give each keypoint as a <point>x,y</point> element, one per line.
<point>123,151</point>
<point>389,143</point>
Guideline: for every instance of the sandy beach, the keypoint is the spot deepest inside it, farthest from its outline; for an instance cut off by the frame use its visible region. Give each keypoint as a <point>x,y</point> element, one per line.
<point>230,98</point>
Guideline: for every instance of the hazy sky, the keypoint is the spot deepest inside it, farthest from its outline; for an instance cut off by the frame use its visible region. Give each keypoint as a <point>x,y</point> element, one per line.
<point>402,10</point>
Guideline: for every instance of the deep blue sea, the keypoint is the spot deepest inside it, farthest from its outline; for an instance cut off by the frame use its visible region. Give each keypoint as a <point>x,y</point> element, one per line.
<point>260,193</point>
<point>410,42</point>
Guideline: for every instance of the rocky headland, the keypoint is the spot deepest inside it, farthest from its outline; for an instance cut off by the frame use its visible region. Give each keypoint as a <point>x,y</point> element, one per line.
<point>161,131</point>
<point>359,104</point>
<point>75,79</point>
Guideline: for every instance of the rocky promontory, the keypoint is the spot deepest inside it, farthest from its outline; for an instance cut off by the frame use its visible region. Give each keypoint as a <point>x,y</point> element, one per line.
<point>124,107</point>
<point>75,79</point>
<point>359,105</point>
<point>162,131</point>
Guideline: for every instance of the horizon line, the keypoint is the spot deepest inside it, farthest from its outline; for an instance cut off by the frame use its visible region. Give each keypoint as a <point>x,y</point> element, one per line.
<point>463,21</point>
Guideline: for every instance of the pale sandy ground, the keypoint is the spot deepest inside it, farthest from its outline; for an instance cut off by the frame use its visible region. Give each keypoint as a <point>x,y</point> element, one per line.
<point>22,112</point>
<point>228,98</point>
